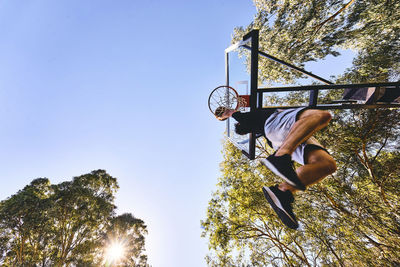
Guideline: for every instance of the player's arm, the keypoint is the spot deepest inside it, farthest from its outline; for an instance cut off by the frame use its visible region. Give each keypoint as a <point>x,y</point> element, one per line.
<point>224,114</point>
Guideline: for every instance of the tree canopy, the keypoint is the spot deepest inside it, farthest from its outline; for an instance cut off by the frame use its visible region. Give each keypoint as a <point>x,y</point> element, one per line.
<point>352,217</point>
<point>68,224</point>
<point>301,31</point>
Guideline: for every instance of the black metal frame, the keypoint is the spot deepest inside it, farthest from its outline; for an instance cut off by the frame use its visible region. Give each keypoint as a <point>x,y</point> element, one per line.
<point>256,94</point>
<point>341,105</point>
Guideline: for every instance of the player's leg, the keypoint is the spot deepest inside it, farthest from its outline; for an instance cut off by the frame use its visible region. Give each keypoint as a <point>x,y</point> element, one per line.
<point>318,165</point>
<point>308,122</point>
<point>300,129</point>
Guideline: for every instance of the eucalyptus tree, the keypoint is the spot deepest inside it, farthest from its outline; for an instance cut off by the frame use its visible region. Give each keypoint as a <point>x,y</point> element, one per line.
<point>352,217</point>
<point>67,224</point>
<point>302,31</point>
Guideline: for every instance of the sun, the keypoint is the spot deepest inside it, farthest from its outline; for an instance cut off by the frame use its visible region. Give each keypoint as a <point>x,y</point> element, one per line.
<point>115,252</point>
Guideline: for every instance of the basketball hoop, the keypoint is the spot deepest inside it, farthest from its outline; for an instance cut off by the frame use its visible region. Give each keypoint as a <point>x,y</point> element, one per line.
<point>227,97</point>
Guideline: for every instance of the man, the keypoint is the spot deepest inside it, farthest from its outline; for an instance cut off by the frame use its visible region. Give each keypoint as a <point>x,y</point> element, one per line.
<point>289,132</point>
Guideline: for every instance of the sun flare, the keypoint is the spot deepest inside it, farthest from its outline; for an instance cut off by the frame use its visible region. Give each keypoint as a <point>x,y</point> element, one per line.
<point>115,252</point>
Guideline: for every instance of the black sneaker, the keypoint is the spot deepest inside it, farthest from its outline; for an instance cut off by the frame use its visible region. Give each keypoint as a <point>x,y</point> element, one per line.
<point>281,202</point>
<point>283,167</point>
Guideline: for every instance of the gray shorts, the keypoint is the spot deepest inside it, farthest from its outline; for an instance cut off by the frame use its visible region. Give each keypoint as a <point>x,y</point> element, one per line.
<point>277,127</point>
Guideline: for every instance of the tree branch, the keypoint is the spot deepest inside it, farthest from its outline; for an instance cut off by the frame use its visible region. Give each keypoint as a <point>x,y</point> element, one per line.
<point>318,27</point>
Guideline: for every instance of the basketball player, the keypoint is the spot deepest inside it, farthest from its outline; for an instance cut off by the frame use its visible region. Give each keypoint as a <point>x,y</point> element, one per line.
<point>289,132</point>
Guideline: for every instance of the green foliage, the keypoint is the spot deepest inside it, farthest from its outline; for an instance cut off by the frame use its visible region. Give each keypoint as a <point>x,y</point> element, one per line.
<point>239,224</point>
<point>352,218</point>
<point>300,31</point>
<point>66,224</point>
<point>130,232</point>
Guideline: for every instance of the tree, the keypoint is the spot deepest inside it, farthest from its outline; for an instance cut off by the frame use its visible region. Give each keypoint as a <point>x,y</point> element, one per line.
<point>65,224</point>
<point>352,217</point>
<point>129,232</point>
<point>24,225</point>
<point>302,31</point>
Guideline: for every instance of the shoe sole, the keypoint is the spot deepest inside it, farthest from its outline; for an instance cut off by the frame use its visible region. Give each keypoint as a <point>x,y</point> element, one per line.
<point>277,206</point>
<point>271,166</point>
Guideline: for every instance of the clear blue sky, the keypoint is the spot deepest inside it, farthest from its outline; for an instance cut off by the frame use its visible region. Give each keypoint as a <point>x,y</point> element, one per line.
<point>121,86</point>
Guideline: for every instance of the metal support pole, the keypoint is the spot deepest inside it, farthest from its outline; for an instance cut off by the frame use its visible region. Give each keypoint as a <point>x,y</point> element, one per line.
<point>254,35</point>
<point>392,91</point>
<point>227,84</point>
